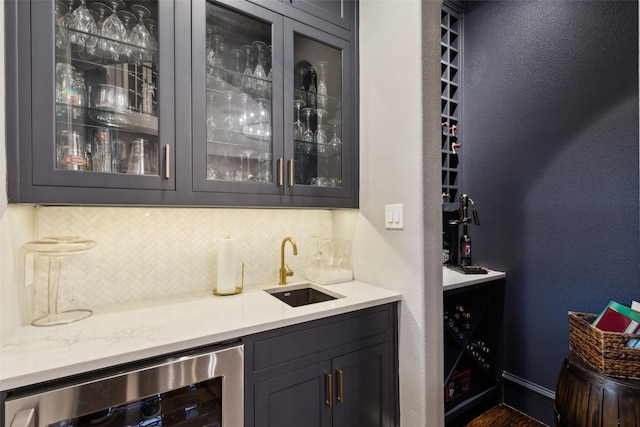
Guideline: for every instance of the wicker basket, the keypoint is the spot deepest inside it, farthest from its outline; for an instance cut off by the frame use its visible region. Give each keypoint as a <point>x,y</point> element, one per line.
<point>606,352</point>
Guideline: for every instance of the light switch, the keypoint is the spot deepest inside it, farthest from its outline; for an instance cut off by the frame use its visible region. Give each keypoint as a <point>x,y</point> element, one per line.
<point>393,217</point>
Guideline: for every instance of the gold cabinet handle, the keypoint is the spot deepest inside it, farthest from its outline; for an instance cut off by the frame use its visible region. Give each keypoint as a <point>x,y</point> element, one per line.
<point>329,400</point>
<point>339,396</point>
<point>167,161</point>
<point>290,172</point>
<point>280,172</point>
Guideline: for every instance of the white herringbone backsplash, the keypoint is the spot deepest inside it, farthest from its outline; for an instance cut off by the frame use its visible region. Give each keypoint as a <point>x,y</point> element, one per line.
<point>145,253</point>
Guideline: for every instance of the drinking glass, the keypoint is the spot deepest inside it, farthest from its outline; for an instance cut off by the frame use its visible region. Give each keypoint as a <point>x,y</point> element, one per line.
<point>138,163</point>
<point>102,10</point>
<point>247,78</point>
<point>335,144</point>
<point>321,136</point>
<point>102,151</point>
<point>71,151</point>
<point>114,34</point>
<point>83,26</point>
<point>127,18</point>
<point>237,75</point>
<point>153,38</point>
<point>298,126</point>
<point>243,121</point>
<point>61,37</point>
<point>245,165</point>
<point>67,17</point>
<point>215,51</point>
<point>323,96</point>
<point>301,91</point>
<point>261,120</point>
<point>229,124</point>
<point>307,135</point>
<point>211,118</point>
<point>260,76</point>
<point>140,35</point>
<point>264,163</point>
<point>118,155</point>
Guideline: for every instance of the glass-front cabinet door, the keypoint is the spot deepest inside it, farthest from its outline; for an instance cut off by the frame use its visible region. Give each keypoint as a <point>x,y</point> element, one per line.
<point>102,94</point>
<point>318,137</point>
<point>237,88</point>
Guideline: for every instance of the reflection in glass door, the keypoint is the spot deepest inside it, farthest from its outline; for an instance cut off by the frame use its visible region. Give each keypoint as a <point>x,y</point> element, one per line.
<point>317,113</point>
<point>238,97</point>
<point>106,90</point>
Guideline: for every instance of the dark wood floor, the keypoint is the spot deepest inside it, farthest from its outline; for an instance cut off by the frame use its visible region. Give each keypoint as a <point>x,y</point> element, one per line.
<point>504,416</point>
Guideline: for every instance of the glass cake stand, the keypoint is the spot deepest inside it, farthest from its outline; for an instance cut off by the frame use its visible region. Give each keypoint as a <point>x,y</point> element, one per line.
<point>57,249</point>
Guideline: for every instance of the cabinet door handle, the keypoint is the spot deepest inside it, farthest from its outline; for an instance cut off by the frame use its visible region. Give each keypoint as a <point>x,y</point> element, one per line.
<point>280,172</point>
<point>290,172</point>
<point>329,400</point>
<point>339,379</point>
<point>167,161</point>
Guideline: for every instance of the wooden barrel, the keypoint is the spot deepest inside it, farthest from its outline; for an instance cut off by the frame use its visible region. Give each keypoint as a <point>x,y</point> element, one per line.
<point>585,398</point>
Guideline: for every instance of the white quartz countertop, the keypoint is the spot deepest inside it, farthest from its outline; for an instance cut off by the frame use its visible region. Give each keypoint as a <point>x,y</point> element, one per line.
<point>134,331</point>
<point>452,279</point>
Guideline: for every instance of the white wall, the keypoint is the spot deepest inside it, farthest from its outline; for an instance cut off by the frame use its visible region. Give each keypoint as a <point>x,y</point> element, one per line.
<point>399,116</point>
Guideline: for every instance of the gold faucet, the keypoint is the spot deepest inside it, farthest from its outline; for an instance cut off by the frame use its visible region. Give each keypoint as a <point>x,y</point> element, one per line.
<point>284,269</point>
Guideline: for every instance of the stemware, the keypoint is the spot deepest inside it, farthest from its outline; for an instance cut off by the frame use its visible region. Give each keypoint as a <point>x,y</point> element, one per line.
<point>335,144</point>
<point>264,172</point>
<point>153,37</point>
<point>215,51</point>
<point>229,123</point>
<point>301,91</point>
<point>298,126</point>
<point>83,26</point>
<point>245,171</point>
<point>307,135</point>
<point>127,18</point>
<point>61,37</point>
<point>323,95</point>
<point>140,36</point>
<point>236,80</point>
<point>114,33</point>
<point>321,136</point>
<point>261,120</point>
<point>211,119</point>
<point>260,76</point>
<point>245,117</point>
<point>67,17</point>
<point>102,10</point>
<point>247,78</point>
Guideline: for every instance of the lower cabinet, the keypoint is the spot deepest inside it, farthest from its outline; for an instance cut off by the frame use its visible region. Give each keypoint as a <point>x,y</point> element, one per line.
<point>339,371</point>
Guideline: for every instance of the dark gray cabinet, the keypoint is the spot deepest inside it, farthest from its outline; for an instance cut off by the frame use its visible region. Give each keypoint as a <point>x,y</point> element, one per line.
<point>197,85</point>
<point>339,371</point>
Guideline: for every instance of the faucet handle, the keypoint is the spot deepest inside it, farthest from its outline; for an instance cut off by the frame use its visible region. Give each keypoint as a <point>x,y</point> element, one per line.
<point>288,271</point>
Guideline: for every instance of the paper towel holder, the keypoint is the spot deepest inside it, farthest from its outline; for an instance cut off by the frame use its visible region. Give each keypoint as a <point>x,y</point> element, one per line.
<point>237,290</point>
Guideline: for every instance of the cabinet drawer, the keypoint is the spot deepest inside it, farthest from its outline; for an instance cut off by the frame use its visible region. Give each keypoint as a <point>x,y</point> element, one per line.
<point>287,344</point>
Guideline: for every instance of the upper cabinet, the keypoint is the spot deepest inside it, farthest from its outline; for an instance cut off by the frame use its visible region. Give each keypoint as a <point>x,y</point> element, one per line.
<point>220,103</point>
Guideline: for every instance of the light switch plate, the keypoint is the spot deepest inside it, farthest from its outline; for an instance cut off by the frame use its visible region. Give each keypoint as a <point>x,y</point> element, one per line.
<point>394,217</point>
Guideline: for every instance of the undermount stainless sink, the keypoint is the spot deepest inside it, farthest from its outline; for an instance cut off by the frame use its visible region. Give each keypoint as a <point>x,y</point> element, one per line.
<point>303,294</point>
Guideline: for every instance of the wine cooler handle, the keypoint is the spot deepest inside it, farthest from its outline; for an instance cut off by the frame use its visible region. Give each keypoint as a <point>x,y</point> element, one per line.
<point>339,397</point>
<point>290,172</point>
<point>329,400</point>
<point>167,161</point>
<point>25,418</point>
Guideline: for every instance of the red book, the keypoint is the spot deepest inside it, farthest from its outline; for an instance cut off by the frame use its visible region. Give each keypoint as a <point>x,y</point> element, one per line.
<point>616,318</point>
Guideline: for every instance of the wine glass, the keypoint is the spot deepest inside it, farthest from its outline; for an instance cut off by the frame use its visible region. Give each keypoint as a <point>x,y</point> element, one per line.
<point>261,119</point>
<point>243,121</point>
<point>215,51</point>
<point>307,135</point>
<point>61,37</point>
<point>127,18</point>
<point>229,123</point>
<point>298,127</point>
<point>245,159</point>
<point>247,77</point>
<point>82,25</point>
<point>67,17</point>
<point>237,75</point>
<point>323,96</point>
<point>335,144</point>
<point>114,33</point>
<point>264,172</point>
<point>153,37</point>
<point>211,119</point>
<point>260,76</point>
<point>321,135</point>
<point>140,35</point>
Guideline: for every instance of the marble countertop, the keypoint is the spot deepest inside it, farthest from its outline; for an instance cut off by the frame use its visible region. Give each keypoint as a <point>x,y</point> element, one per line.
<point>452,279</point>
<point>134,331</point>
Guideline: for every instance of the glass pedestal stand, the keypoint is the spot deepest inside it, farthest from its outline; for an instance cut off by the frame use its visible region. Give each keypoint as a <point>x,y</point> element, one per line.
<point>57,249</point>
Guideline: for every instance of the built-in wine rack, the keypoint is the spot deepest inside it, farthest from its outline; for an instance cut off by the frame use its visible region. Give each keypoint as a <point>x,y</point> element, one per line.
<point>472,349</point>
<point>450,61</point>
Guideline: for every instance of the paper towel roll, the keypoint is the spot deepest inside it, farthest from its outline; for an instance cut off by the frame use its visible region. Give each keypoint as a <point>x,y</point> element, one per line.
<point>227,265</point>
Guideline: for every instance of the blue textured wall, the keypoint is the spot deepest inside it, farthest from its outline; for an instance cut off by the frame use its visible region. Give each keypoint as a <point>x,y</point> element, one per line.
<point>550,157</point>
